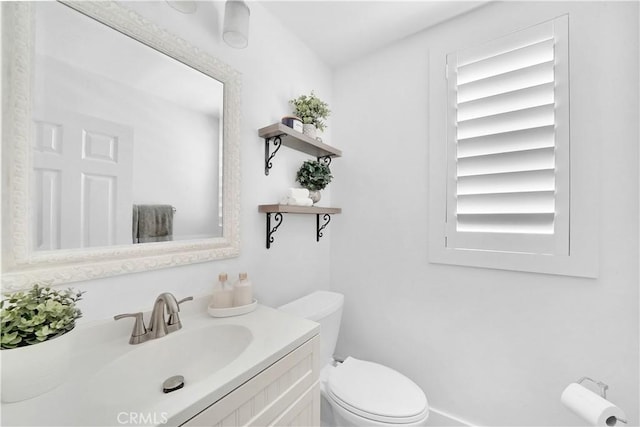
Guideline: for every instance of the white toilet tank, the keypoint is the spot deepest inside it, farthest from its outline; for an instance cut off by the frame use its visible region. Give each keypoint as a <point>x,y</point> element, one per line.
<point>325,308</point>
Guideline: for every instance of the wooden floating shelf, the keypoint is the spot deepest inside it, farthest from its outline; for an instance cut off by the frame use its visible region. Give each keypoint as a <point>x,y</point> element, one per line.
<point>298,209</point>
<point>278,210</point>
<point>298,141</point>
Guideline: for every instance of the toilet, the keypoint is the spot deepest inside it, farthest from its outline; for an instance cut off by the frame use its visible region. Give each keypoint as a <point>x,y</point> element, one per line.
<point>358,392</point>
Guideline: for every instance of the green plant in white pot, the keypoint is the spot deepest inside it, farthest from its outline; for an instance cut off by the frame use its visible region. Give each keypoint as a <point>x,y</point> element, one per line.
<point>312,111</point>
<point>314,176</point>
<point>34,341</point>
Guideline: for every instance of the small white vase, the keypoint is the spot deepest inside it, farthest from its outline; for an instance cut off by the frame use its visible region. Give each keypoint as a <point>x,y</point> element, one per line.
<point>309,130</point>
<point>314,195</point>
<point>33,370</point>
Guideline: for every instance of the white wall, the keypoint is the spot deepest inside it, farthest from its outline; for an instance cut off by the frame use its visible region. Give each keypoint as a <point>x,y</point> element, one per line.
<point>276,67</point>
<point>490,346</point>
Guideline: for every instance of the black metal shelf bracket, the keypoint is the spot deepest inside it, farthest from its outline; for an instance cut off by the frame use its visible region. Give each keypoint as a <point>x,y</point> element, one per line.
<point>278,219</point>
<point>325,160</point>
<point>327,219</point>
<point>277,143</point>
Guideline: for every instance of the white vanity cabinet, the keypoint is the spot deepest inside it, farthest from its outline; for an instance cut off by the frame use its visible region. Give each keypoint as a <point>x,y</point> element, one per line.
<point>287,393</point>
<point>271,380</point>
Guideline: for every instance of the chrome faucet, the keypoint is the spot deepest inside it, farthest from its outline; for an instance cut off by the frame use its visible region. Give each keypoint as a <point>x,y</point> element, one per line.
<point>158,327</point>
<point>157,324</point>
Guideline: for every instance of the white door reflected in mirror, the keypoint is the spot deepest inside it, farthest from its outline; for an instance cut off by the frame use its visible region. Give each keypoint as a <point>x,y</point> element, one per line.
<point>83,169</point>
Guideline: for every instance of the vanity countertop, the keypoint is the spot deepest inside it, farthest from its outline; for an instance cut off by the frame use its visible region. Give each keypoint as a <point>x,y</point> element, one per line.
<point>97,344</point>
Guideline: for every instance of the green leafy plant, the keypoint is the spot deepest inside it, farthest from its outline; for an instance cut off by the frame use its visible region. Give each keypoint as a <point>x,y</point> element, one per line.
<point>39,314</point>
<point>314,175</point>
<point>311,110</point>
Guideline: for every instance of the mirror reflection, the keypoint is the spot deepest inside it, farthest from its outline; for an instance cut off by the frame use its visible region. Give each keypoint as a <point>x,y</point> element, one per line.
<point>127,142</point>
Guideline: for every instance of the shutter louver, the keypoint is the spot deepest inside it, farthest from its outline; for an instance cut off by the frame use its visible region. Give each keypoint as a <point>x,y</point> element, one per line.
<point>505,105</point>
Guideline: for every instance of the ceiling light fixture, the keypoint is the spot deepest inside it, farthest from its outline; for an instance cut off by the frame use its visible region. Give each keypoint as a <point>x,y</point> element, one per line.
<point>235,31</point>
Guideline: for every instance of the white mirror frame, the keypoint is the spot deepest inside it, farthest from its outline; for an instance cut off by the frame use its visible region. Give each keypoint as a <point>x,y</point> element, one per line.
<point>21,265</point>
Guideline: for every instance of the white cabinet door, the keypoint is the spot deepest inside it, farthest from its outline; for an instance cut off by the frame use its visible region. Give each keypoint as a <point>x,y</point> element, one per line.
<point>304,412</point>
<point>286,393</point>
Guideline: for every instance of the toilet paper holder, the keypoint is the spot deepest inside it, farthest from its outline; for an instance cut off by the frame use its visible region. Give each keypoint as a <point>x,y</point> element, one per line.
<point>602,386</point>
<point>603,390</point>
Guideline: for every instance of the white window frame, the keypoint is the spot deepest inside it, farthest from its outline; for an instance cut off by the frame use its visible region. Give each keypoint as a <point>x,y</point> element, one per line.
<point>573,246</point>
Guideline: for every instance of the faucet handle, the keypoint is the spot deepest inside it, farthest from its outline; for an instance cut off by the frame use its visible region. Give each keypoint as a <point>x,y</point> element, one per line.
<point>185,300</point>
<point>139,332</point>
<point>174,318</point>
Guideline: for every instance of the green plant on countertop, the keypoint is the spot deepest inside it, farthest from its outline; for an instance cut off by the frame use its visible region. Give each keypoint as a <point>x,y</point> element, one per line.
<point>311,110</point>
<point>36,315</point>
<point>314,175</point>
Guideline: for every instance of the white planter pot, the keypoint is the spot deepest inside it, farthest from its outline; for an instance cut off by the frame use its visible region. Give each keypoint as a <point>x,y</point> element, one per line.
<point>309,130</point>
<point>314,195</point>
<point>33,370</point>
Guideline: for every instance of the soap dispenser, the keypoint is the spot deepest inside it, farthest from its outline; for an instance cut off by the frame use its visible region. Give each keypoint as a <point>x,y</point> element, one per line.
<point>223,293</point>
<point>242,291</point>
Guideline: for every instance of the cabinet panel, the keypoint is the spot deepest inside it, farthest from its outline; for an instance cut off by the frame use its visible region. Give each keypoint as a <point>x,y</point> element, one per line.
<point>304,412</point>
<point>270,394</point>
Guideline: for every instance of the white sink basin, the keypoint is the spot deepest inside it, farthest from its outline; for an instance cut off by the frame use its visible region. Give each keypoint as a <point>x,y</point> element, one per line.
<point>136,377</point>
<point>114,383</point>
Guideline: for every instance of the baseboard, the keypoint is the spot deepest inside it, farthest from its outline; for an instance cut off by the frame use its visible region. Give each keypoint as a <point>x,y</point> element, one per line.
<point>445,419</point>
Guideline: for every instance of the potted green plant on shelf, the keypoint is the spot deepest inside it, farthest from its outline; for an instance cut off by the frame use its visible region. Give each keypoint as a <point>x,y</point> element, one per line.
<point>35,341</point>
<point>312,111</point>
<point>314,176</point>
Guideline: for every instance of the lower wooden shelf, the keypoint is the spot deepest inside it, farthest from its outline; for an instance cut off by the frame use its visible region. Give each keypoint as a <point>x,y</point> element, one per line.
<point>298,209</point>
<point>278,210</point>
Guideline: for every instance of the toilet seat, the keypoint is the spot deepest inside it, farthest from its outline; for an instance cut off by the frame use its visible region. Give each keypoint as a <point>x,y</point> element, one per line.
<point>376,392</point>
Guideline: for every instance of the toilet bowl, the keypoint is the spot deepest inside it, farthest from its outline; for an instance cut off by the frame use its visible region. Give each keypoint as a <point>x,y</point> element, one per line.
<point>359,392</point>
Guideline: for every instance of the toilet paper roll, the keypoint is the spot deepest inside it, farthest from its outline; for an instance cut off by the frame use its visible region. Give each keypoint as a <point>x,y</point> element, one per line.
<point>590,407</point>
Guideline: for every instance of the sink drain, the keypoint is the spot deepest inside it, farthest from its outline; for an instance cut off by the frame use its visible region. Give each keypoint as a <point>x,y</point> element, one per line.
<point>173,383</point>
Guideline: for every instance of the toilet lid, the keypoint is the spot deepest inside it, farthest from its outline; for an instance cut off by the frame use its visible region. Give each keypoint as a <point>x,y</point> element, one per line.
<point>376,392</point>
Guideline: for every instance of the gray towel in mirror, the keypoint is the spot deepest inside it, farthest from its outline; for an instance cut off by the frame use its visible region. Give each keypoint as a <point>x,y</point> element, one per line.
<point>154,224</point>
<point>134,224</point>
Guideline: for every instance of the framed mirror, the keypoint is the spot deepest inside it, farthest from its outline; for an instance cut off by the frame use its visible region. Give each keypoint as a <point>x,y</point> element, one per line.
<point>120,146</point>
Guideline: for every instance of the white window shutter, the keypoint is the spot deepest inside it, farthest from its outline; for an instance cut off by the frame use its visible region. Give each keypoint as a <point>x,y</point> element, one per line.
<point>508,143</point>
